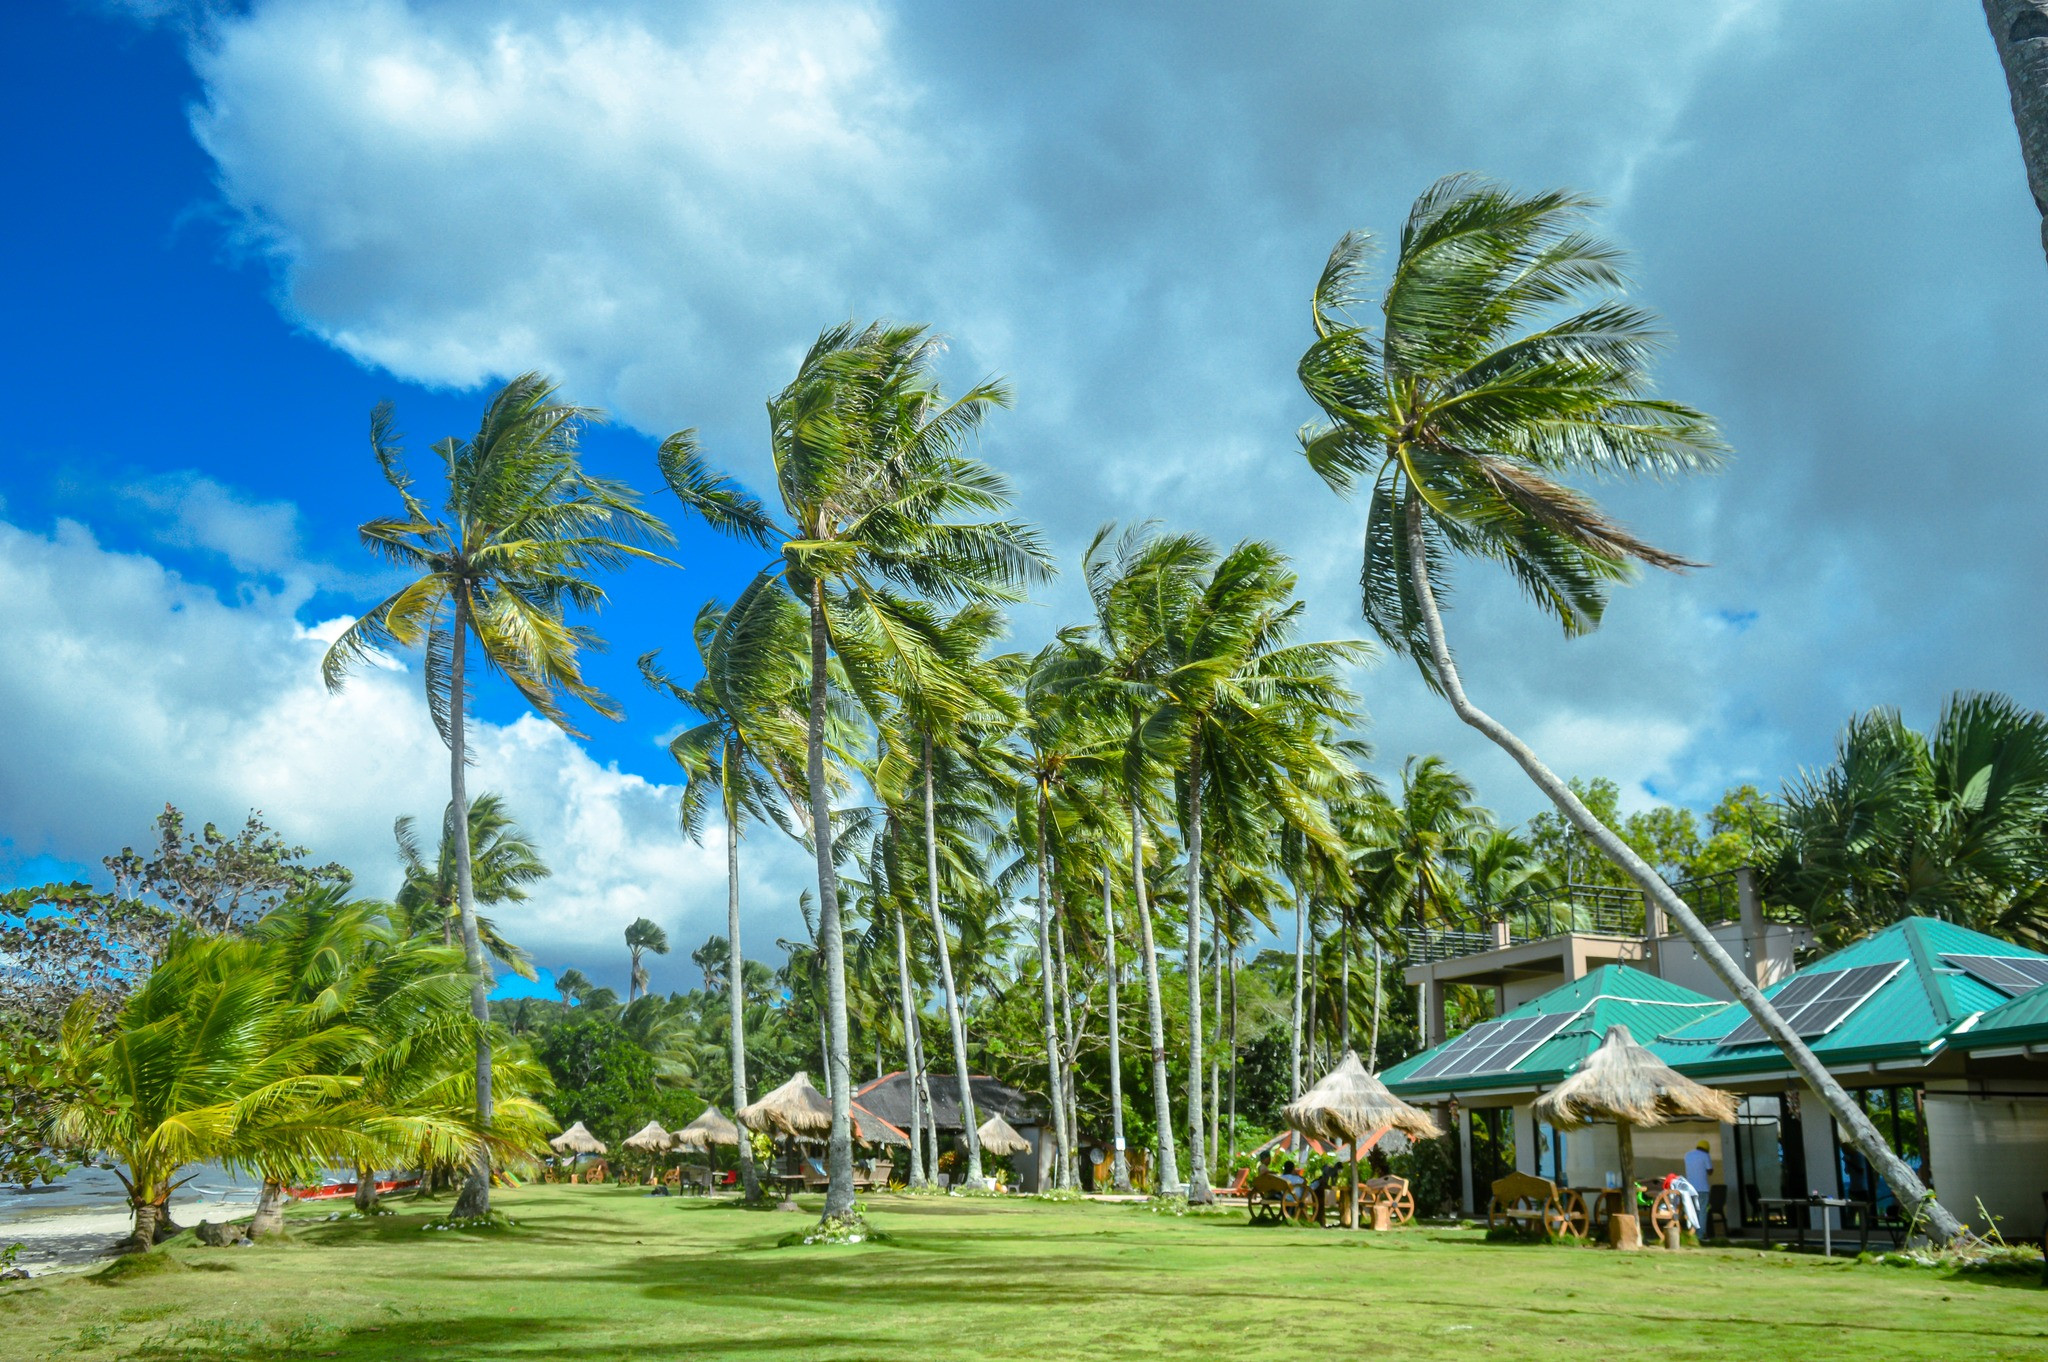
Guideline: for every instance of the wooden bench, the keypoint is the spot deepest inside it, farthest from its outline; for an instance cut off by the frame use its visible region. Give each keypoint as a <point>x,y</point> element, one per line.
<point>1525,1199</point>
<point>1271,1199</point>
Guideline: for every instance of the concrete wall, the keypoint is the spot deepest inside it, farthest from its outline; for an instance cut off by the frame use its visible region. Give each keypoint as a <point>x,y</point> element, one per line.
<point>1994,1149</point>
<point>1677,961</point>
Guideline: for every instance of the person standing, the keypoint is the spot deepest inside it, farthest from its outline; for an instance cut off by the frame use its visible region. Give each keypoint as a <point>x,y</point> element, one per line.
<point>1699,1166</point>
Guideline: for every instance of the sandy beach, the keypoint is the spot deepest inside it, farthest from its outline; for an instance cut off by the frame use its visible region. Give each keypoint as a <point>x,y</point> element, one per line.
<point>73,1237</point>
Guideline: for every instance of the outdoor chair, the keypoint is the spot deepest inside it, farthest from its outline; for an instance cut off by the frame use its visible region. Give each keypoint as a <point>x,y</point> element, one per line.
<point>1717,1209</point>
<point>816,1179</point>
<point>1392,1190</point>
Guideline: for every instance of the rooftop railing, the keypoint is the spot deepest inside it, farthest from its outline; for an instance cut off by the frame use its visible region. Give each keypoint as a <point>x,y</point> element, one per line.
<point>1575,908</point>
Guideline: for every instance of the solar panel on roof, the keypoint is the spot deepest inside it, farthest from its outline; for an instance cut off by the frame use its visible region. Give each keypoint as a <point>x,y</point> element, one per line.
<point>1815,1004</point>
<point>1454,1051</point>
<point>2011,975</point>
<point>1493,1047</point>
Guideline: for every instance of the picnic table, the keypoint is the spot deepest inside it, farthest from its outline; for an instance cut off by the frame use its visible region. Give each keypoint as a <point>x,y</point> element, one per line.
<point>1867,1212</point>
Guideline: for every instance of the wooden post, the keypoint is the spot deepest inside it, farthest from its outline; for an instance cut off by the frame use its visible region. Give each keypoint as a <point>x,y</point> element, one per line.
<point>1624,1230</point>
<point>1351,1206</point>
<point>1382,1214</point>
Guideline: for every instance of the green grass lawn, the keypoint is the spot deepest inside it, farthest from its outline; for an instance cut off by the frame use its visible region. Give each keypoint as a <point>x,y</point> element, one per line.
<point>607,1272</point>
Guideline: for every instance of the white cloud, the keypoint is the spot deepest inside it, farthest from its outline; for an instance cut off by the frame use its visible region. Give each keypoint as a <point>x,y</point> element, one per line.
<point>127,686</point>
<point>600,193</point>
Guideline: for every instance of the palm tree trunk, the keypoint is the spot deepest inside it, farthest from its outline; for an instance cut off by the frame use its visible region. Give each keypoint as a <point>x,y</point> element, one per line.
<point>1052,1030</point>
<point>1071,1054</point>
<point>909,1048</point>
<point>1906,1187</point>
<point>1295,1040</point>
<point>970,1133</point>
<point>736,994</point>
<point>366,1190</point>
<point>475,1196</point>
<point>1344,981</point>
<point>1373,1059</point>
<point>1198,1171</point>
<point>1233,1054</point>
<point>831,931</point>
<point>142,1237</point>
<point>2020,30</point>
<point>269,1218</point>
<point>1215,1059</point>
<point>1119,1165</point>
<point>1166,1180</point>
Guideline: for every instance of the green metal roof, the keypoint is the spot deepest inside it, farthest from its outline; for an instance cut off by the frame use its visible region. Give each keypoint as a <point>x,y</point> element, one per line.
<point>2020,1021</point>
<point>1608,996</point>
<point>1908,1017</point>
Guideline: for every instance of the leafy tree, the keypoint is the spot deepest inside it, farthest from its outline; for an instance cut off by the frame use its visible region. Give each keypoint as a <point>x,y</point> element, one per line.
<point>604,1079</point>
<point>1463,412</point>
<point>517,541</point>
<point>214,882</point>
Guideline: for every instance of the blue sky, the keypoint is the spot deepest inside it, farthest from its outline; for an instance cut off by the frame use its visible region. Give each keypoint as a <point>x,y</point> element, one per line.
<point>245,224</point>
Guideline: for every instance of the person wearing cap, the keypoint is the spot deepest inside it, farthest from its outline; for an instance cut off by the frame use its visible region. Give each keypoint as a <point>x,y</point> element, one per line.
<point>1699,1166</point>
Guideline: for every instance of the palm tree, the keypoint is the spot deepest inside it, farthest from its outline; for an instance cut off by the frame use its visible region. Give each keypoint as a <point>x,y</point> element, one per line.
<point>746,748</point>
<point>642,936</point>
<point>1943,825</point>
<point>572,985</point>
<point>870,472</point>
<point>1464,411</point>
<point>503,861</point>
<point>525,529</point>
<point>1237,690</point>
<point>210,1059</point>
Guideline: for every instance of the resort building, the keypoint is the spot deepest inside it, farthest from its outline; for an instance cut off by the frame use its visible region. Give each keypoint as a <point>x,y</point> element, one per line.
<point>1934,1029</point>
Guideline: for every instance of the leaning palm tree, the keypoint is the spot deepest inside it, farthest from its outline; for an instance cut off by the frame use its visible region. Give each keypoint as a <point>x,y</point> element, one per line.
<point>503,861</point>
<point>643,937</point>
<point>572,984</point>
<point>1481,390</point>
<point>748,748</point>
<point>870,471</point>
<point>516,542</point>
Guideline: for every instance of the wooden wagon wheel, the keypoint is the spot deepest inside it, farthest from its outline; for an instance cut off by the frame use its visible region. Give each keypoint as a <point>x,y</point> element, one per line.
<point>1663,1211</point>
<point>1494,1208</point>
<point>1566,1215</point>
<point>1404,1206</point>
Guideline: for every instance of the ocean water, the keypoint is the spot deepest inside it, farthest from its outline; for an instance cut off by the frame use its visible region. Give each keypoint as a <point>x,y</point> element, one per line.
<point>97,1189</point>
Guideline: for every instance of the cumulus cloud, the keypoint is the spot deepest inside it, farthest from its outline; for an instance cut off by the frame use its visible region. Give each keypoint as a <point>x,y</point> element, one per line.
<point>128,686</point>
<point>1122,208</point>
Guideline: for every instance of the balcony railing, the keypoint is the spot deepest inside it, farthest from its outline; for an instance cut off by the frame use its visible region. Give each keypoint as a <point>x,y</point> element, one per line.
<point>1575,908</point>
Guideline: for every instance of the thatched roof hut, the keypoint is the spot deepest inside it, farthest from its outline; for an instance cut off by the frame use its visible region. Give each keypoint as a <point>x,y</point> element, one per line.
<point>1349,1104</point>
<point>577,1140</point>
<point>1624,1083</point>
<point>999,1137</point>
<point>711,1127</point>
<point>649,1139</point>
<point>1621,1081</point>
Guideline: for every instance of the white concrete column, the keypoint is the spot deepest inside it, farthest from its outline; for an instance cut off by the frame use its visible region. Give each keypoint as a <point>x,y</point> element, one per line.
<point>1525,1139</point>
<point>1817,1125</point>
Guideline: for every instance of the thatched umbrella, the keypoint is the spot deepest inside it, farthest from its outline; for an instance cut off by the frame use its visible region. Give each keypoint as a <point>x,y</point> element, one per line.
<point>795,1109</point>
<point>577,1140</point>
<point>649,1139</point>
<point>999,1137</point>
<point>711,1127</point>
<point>1626,1084</point>
<point>1351,1105</point>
